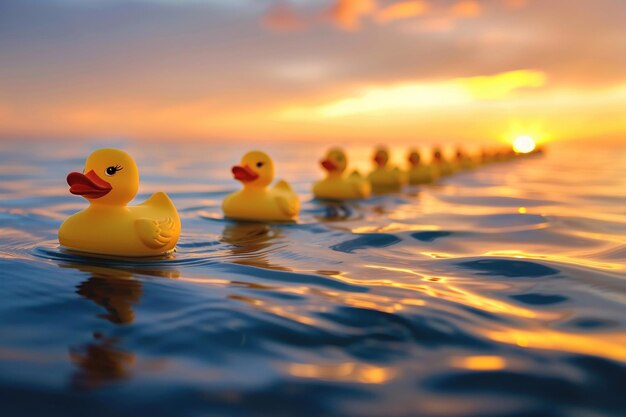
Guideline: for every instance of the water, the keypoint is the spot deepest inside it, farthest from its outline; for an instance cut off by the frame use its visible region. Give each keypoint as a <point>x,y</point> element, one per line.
<point>499,292</point>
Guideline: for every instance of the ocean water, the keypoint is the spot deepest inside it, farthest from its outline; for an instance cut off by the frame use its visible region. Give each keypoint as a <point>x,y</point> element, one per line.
<point>497,292</point>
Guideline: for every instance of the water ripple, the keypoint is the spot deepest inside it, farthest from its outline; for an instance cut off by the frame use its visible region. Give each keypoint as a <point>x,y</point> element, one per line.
<point>479,296</point>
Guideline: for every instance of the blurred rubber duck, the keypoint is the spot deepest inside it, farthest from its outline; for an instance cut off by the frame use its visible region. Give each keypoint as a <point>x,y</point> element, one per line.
<point>419,172</point>
<point>444,166</point>
<point>108,226</point>
<point>486,156</point>
<point>463,160</point>
<point>336,185</point>
<point>384,178</point>
<point>256,201</point>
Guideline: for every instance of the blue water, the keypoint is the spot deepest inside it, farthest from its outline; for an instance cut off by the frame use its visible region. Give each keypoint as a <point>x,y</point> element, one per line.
<point>497,292</point>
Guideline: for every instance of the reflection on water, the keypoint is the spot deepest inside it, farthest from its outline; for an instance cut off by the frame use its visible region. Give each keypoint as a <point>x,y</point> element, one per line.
<point>250,243</point>
<point>102,360</point>
<point>99,362</point>
<point>115,290</point>
<point>498,291</point>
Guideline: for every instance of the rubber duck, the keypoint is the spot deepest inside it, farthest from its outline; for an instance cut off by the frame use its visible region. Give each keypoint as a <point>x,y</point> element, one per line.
<point>419,172</point>
<point>463,160</point>
<point>444,166</point>
<point>384,178</point>
<point>108,226</point>
<point>336,185</point>
<point>256,201</point>
<point>486,156</point>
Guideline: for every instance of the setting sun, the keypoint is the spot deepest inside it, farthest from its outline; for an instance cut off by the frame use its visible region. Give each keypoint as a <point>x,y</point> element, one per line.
<point>524,144</point>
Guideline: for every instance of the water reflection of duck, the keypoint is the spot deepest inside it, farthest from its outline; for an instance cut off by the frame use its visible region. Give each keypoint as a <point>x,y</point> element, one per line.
<point>116,293</point>
<point>251,243</point>
<point>101,360</point>
<point>115,289</point>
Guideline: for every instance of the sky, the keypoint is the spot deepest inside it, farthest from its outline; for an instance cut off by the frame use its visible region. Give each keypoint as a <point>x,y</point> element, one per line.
<point>461,70</point>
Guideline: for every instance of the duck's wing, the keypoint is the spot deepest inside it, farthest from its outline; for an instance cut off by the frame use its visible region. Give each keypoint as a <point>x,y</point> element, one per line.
<point>282,185</point>
<point>158,233</point>
<point>289,206</point>
<point>287,200</point>
<point>160,200</point>
<point>399,174</point>
<point>358,184</point>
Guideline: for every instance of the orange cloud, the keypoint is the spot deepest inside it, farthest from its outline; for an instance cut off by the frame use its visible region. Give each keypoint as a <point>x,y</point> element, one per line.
<point>436,25</point>
<point>416,95</point>
<point>347,14</point>
<point>283,18</point>
<point>515,4</point>
<point>466,8</point>
<point>402,10</point>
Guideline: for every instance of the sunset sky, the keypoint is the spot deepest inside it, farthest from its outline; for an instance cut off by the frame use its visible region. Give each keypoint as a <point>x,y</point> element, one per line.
<point>313,69</point>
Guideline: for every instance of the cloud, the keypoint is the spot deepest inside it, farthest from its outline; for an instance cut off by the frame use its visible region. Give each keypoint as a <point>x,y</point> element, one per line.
<point>408,96</point>
<point>466,8</point>
<point>208,69</point>
<point>516,4</point>
<point>402,10</point>
<point>347,14</point>
<point>282,17</point>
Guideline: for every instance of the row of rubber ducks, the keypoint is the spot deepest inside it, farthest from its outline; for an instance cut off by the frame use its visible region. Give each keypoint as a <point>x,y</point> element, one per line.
<point>110,180</point>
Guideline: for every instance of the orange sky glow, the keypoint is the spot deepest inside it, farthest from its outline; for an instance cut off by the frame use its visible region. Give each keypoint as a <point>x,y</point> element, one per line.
<point>459,70</point>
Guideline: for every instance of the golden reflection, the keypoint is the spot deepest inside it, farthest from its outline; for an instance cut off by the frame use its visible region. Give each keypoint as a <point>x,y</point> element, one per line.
<point>251,243</point>
<point>479,363</point>
<point>445,290</point>
<point>345,372</point>
<point>609,345</point>
<point>558,258</point>
<point>606,345</point>
<point>287,312</point>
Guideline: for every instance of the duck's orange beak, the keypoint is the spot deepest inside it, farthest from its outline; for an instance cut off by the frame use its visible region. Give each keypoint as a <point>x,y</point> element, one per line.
<point>329,165</point>
<point>244,174</point>
<point>88,185</point>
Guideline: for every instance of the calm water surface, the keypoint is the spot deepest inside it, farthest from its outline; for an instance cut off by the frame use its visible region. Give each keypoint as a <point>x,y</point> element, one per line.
<point>498,292</point>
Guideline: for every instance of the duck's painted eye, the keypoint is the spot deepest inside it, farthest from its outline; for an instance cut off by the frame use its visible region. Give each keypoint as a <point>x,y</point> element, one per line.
<point>110,171</point>
<point>259,164</point>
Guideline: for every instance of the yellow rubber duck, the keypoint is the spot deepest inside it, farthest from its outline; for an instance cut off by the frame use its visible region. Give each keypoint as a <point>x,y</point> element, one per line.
<point>385,178</point>
<point>108,226</point>
<point>419,172</point>
<point>336,185</point>
<point>444,166</point>
<point>486,156</point>
<point>463,160</point>
<point>255,201</point>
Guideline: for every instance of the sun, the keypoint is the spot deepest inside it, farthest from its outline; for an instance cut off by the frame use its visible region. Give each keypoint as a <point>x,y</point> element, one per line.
<point>524,144</point>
